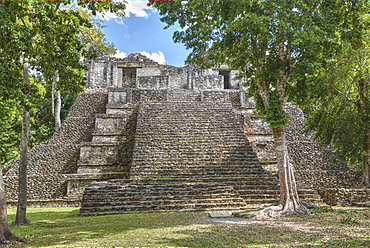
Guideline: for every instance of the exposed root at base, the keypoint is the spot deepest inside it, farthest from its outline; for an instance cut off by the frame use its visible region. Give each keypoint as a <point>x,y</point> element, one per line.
<point>25,222</point>
<point>280,210</point>
<point>11,240</point>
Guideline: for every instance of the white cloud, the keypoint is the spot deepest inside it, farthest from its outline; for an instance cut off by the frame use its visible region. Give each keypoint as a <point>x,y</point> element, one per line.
<point>157,57</point>
<point>120,54</point>
<point>136,8</point>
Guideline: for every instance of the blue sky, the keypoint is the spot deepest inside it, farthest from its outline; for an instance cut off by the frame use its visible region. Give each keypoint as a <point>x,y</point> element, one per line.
<point>141,31</point>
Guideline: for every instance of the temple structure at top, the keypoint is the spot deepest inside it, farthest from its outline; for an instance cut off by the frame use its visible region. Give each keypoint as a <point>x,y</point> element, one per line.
<point>138,71</point>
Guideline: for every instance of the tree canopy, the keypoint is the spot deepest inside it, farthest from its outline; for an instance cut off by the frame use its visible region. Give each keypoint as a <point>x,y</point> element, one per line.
<point>339,108</point>
<point>43,36</point>
<point>53,37</point>
<point>274,45</point>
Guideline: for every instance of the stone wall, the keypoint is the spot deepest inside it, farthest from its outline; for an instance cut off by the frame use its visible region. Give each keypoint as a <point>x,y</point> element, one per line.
<point>346,197</point>
<point>108,72</point>
<point>313,164</point>
<point>150,82</point>
<point>49,162</point>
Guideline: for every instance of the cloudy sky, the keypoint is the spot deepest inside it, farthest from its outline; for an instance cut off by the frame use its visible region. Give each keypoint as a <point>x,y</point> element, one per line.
<point>141,31</point>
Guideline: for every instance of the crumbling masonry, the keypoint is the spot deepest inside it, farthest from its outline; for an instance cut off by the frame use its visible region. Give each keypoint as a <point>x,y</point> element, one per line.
<point>145,137</point>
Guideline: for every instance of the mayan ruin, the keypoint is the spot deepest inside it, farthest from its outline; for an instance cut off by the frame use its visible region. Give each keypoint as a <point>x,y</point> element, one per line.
<point>144,137</point>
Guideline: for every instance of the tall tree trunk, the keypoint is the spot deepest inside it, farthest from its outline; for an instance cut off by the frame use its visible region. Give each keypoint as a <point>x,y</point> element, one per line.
<point>364,89</point>
<point>21,218</point>
<point>365,182</point>
<point>53,98</point>
<point>58,107</point>
<point>289,199</point>
<point>6,235</point>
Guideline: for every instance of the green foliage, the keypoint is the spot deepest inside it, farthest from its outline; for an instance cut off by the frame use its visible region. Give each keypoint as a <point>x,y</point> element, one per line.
<point>338,124</point>
<point>93,39</point>
<point>276,116</point>
<point>50,36</point>
<point>42,124</point>
<point>313,52</point>
<point>334,109</point>
<point>272,43</point>
<point>273,113</point>
<point>323,209</point>
<point>349,221</point>
<point>10,126</point>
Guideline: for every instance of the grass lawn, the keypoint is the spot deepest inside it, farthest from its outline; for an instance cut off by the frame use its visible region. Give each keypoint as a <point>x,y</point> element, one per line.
<point>327,227</point>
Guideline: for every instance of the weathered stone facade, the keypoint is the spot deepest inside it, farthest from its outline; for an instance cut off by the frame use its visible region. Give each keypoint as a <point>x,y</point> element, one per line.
<point>98,140</point>
<point>137,71</point>
<point>50,162</point>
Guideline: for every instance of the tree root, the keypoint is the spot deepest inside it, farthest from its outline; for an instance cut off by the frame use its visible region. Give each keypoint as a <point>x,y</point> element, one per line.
<point>26,221</point>
<point>10,239</point>
<point>284,210</point>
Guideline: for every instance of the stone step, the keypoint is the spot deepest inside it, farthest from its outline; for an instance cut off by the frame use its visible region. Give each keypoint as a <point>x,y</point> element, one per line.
<point>152,195</point>
<point>82,169</point>
<point>119,202</point>
<point>99,153</point>
<point>197,167</point>
<point>144,194</point>
<point>124,209</point>
<point>193,156</point>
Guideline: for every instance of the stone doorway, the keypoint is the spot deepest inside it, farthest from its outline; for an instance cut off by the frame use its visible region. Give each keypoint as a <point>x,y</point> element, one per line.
<point>128,77</point>
<point>226,74</point>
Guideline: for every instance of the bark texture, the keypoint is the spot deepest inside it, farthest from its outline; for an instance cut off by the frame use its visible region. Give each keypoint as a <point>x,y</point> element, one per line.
<point>290,202</point>
<point>21,218</point>
<point>58,107</point>
<point>364,89</point>
<point>6,236</point>
<point>366,163</point>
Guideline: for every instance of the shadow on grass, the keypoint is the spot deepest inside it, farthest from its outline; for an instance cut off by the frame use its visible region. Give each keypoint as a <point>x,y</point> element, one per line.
<point>62,228</point>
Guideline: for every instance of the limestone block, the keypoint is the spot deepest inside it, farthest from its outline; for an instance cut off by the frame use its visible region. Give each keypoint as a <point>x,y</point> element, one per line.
<point>148,72</point>
<point>108,138</point>
<point>117,97</point>
<point>211,96</point>
<point>322,179</point>
<point>110,124</point>
<point>345,197</point>
<point>153,95</point>
<point>87,104</point>
<point>125,111</point>
<point>178,81</point>
<point>153,82</point>
<point>99,154</point>
<point>255,126</point>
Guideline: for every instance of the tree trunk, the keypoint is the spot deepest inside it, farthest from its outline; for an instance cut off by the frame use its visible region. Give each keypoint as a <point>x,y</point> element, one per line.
<point>6,236</point>
<point>289,199</point>
<point>365,182</point>
<point>58,107</point>
<point>21,218</point>
<point>53,98</point>
<point>365,109</point>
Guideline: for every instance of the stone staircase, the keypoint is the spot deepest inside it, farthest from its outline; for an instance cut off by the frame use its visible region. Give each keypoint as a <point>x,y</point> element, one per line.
<point>126,196</point>
<point>102,158</point>
<point>191,140</point>
<point>187,155</point>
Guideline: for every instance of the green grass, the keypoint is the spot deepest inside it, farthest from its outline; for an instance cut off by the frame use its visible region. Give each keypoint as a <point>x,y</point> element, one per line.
<point>61,227</point>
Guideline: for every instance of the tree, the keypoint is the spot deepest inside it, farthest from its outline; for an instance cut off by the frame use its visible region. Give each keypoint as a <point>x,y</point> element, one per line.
<point>93,39</point>
<point>44,35</point>
<point>9,130</point>
<point>94,43</point>
<point>336,100</point>
<point>269,42</point>
<point>339,112</point>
